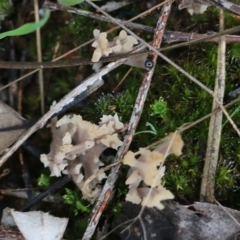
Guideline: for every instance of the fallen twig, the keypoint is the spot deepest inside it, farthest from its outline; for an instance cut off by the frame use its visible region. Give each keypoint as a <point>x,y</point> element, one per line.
<point>39,55</point>
<point>60,105</point>
<point>193,79</point>
<point>215,126</point>
<point>50,190</point>
<point>136,114</point>
<point>22,193</point>
<point>168,37</point>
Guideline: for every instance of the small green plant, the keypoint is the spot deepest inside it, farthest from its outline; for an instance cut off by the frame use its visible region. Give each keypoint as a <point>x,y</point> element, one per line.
<point>72,198</point>
<point>178,183</point>
<point>152,131</point>
<point>224,179</point>
<point>117,208</point>
<point>234,50</point>
<point>159,107</point>
<point>44,180</point>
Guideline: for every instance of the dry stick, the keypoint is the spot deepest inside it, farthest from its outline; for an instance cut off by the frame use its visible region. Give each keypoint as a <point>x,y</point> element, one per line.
<point>22,193</point>
<point>186,126</point>
<point>229,6</point>
<point>61,64</point>
<point>203,39</point>
<point>39,54</point>
<point>226,211</point>
<point>136,114</point>
<point>215,125</point>
<point>174,65</point>
<point>54,64</point>
<point>88,14</point>
<point>62,56</point>
<point>172,36</point>
<point>84,44</point>
<point>122,80</point>
<point>64,101</point>
<point>169,36</point>
<point>56,108</point>
<point>36,70</point>
<point>208,115</point>
<point>185,38</point>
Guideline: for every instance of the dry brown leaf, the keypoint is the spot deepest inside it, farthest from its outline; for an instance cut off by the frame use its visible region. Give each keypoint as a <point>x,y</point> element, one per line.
<point>11,126</point>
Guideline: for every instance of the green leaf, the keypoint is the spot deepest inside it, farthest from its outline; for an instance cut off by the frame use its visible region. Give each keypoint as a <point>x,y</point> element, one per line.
<point>147,131</point>
<point>27,28</point>
<point>148,124</point>
<point>70,2</point>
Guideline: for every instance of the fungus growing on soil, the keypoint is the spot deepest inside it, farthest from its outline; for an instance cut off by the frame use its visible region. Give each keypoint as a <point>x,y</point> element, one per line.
<point>76,147</point>
<point>147,170</point>
<point>123,43</point>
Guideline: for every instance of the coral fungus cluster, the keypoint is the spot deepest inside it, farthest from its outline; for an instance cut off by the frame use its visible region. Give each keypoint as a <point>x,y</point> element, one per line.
<point>147,170</point>
<point>121,44</point>
<point>76,147</point>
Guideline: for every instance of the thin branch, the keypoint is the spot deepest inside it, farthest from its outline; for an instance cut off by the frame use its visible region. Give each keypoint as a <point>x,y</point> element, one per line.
<point>168,37</point>
<point>136,114</point>
<point>63,181</point>
<point>64,101</point>
<point>75,49</point>
<point>204,38</point>
<point>39,54</point>
<point>54,64</point>
<point>225,210</point>
<point>128,23</point>
<point>186,126</point>
<point>22,193</point>
<point>56,59</point>
<point>190,125</point>
<point>229,6</point>
<point>193,79</point>
<point>172,36</point>
<point>215,125</point>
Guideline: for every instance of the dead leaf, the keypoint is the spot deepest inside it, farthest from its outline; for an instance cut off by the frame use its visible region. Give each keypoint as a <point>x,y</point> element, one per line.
<point>11,126</point>
<point>35,225</point>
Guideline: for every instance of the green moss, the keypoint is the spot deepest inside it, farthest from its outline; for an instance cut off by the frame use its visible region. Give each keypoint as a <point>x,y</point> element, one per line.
<point>72,198</point>
<point>5,8</point>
